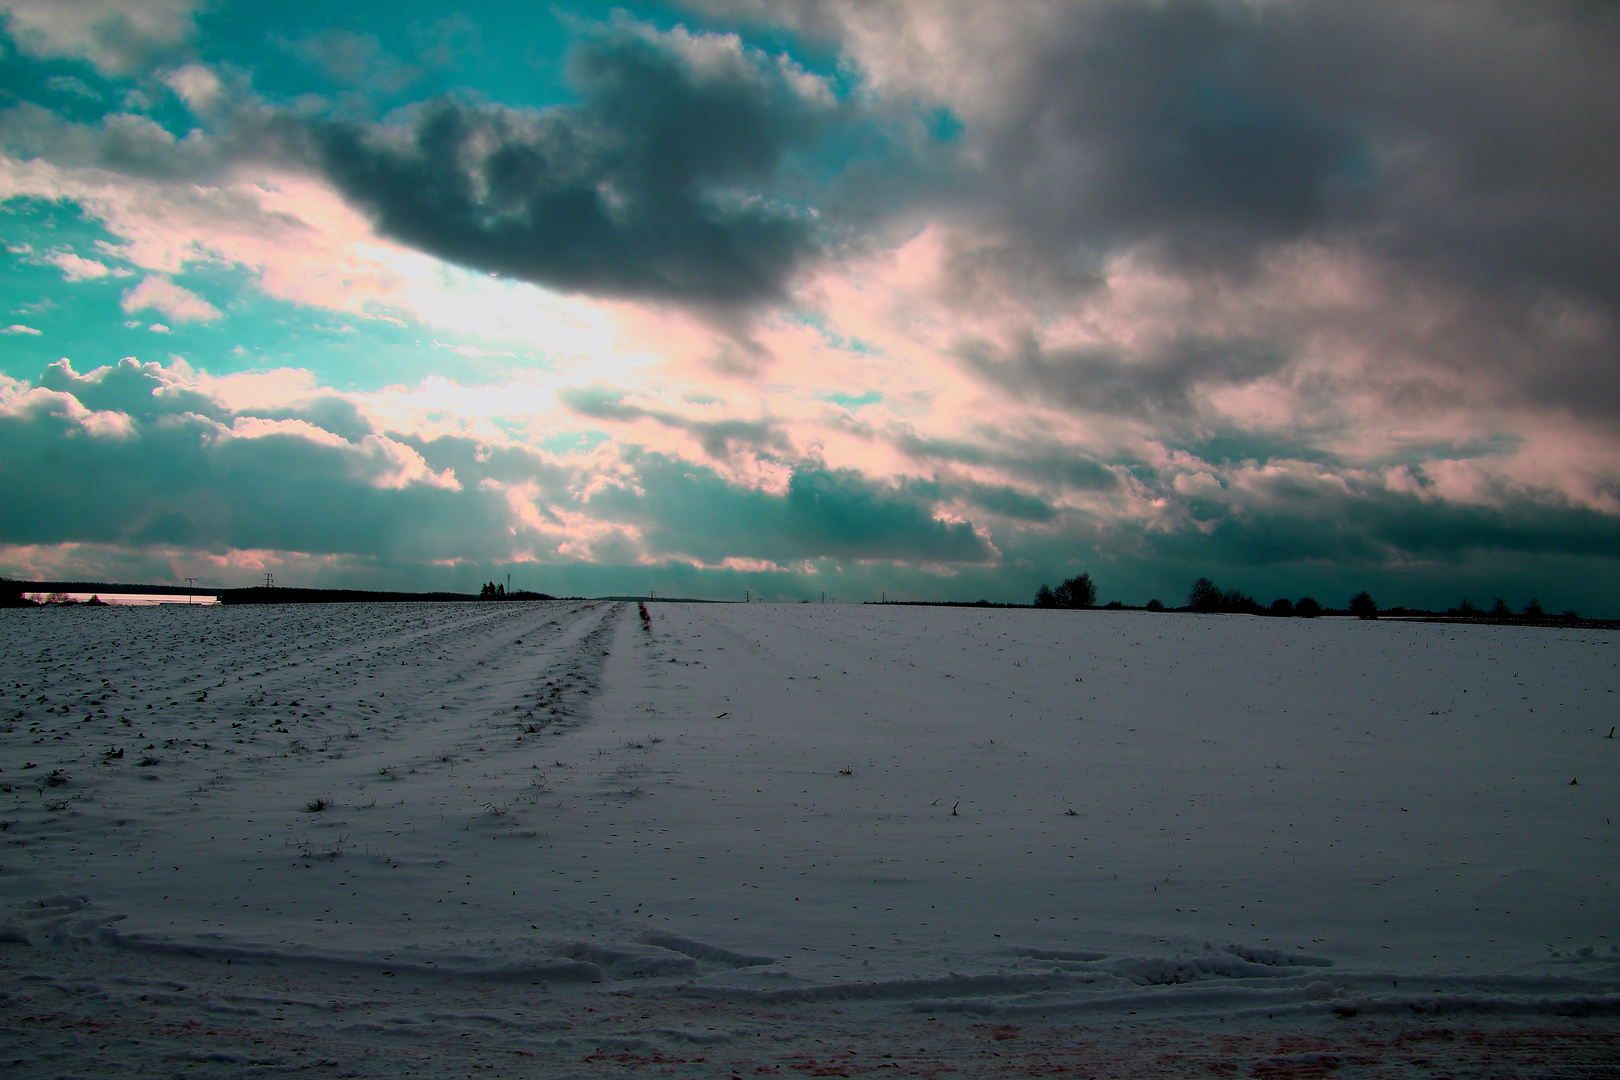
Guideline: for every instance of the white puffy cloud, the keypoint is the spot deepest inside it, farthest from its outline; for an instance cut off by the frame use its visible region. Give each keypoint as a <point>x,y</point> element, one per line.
<point>76,267</point>
<point>195,84</point>
<point>161,294</point>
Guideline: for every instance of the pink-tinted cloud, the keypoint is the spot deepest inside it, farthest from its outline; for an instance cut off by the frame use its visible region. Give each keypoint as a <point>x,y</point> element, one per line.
<point>158,293</point>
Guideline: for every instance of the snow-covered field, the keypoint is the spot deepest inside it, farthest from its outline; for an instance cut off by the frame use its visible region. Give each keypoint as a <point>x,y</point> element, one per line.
<point>542,839</point>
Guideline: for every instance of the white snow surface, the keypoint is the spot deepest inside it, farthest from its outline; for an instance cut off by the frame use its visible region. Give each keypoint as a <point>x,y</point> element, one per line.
<point>553,839</point>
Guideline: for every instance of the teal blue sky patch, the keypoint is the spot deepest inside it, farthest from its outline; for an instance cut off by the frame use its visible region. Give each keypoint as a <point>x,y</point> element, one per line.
<point>854,401</point>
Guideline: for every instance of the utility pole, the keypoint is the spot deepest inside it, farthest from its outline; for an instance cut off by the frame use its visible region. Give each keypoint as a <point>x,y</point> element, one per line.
<point>748,597</point>
<point>191,583</point>
<point>823,596</point>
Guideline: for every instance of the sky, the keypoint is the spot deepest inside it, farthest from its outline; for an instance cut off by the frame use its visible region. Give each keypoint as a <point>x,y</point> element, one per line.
<point>919,300</point>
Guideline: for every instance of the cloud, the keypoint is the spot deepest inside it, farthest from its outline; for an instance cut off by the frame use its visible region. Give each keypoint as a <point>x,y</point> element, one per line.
<point>1456,157</point>
<point>143,454</point>
<point>121,145</point>
<point>355,58</point>
<point>655,186</point>
<point>166,464</point>
<point>19,328</point>
<point>73,86</point>
<point>116,36</point>
<point>690,510</point>
<point>718,438</point>
<point>194,84</point>
<point>161,294</point>
<point>447,42</point>
<point>1288,289</point>
<point>140,456</point>
<point>75,267</point>
<point>1106,379</point>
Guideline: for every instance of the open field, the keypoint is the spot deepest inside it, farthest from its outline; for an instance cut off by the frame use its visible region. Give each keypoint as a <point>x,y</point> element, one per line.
<point>541,839</point>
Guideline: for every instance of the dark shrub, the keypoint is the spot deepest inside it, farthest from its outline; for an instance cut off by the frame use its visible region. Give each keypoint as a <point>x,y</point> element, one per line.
<point>1281,606</point>
<point>1206,596</point>
<point>1362,605</point>
<point>1307,608</point>
<point>1155,605</point>
<point>1114,605</point>
<point>1235,600</point>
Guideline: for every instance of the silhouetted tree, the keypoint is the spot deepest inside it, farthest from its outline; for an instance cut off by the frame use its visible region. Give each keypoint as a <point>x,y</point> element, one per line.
<point>1533,608</point>
<point>1076,592</point>
<point>1362,605</point>
<point>1235,600</point>
<point>11,594</point>
<point>1307,607</point>
<point>1155,604</point>
<point>1205,596</point>
<point>1500,610</point>
<point>1282,606</point>
<point>1044,597</point>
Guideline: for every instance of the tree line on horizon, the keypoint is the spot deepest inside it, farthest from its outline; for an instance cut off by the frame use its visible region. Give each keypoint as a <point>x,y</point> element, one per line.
<point>1208,598</point>
<point>1078,592</point>
<point>494,591</point>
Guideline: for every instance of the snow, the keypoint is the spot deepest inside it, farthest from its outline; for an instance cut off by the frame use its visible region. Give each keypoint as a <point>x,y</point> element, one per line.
<point>137,599</point>
<point>762,833</point>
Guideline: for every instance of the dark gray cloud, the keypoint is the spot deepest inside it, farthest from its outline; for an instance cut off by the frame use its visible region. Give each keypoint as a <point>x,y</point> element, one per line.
<point>1463,153</point>
<point>656,185</point>
<point>691,510</point>
<point>159,464</point>
<point>1467,150</point>
<point>1165,122</point>
<point>1108,379</point>
<point>718,437</point>
<point>1361,526</point>
<point>1002,499</point>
